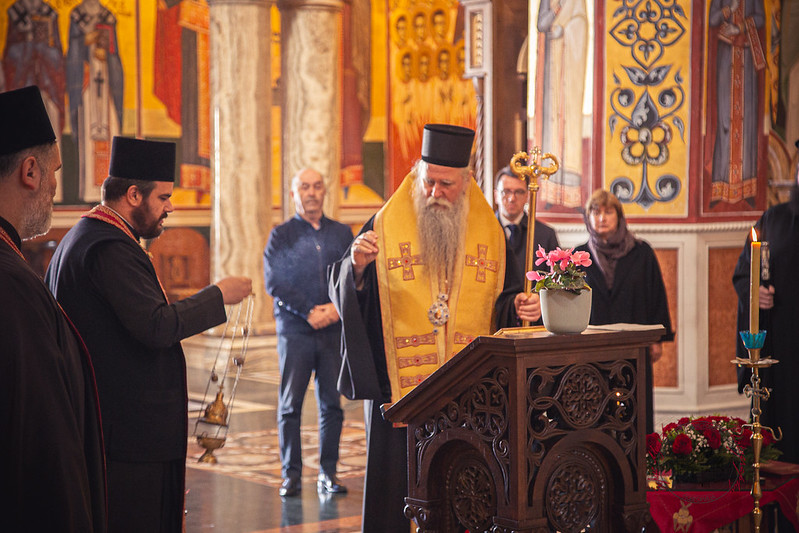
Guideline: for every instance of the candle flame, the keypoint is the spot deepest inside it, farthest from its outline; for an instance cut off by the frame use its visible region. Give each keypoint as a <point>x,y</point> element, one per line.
<point>754,234</point>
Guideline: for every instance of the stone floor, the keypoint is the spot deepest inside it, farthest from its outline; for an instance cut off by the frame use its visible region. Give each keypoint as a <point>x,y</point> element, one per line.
<point>238,494</point>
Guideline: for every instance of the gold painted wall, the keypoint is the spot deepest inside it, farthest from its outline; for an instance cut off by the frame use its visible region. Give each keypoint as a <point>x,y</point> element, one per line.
<point>647,85</point>
<point>426,61</point>
<point>377,130</point>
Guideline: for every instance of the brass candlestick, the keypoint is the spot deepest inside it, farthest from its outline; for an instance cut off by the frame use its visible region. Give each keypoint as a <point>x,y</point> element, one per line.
<point>753,342</point>
<point>211,427</point>
<point>530,173</point>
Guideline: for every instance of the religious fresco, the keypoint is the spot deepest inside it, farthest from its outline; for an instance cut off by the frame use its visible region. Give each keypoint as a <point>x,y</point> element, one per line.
<point>647,86</point>
<point>562,109</point>
<point>95,85</point>
<point>82,54</point>
<point>741,46</point>
<point>182,83</point>
<point>425,77</point>
<point>33,55</point>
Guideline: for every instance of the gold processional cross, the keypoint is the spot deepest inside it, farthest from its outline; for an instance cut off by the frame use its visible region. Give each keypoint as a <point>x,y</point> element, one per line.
<point>530,173</point>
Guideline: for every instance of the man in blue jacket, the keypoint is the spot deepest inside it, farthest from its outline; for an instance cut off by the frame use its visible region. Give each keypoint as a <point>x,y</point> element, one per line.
<point>308,328</point>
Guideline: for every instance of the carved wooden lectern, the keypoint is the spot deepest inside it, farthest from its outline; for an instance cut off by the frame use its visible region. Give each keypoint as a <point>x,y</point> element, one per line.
<point>531,432</point>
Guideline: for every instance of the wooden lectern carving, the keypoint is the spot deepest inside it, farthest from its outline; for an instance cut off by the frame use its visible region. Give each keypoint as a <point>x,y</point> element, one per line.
<point>530,432</point>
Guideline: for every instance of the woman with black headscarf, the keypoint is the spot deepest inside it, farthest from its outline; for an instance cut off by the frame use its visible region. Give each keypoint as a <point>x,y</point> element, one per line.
<point>625,276</point>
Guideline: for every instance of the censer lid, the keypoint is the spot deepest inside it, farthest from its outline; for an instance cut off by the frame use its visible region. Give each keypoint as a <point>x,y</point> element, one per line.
<point>216,412</point>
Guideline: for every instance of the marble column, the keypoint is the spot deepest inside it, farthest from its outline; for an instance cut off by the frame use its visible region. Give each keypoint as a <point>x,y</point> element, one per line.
<point>311,80</point>
<point>241,104</point>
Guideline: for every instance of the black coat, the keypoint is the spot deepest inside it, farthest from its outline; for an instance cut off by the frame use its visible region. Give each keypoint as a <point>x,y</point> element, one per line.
<point>107,284</point>
<point>53,478</point>
<point>779,226</point>
<point>638,295</point>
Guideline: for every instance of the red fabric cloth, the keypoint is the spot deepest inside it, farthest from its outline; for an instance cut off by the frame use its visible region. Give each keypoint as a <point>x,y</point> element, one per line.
<point>704,511</point>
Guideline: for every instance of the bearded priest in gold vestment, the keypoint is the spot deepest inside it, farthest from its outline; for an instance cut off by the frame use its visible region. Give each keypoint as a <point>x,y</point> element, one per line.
<point>424,277</point>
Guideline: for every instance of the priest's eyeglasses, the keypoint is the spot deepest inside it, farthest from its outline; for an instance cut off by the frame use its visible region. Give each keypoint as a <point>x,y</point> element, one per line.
<point>518,193</point>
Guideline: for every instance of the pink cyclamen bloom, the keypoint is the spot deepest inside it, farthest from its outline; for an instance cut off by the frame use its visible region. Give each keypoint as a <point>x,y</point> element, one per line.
<point>541,254</point>
<point>581,259</point>
<point>534,275</point>
<point>559,256</point>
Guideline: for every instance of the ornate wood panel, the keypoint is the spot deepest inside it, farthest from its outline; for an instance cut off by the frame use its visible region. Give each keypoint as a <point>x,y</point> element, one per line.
<point>531,432</point>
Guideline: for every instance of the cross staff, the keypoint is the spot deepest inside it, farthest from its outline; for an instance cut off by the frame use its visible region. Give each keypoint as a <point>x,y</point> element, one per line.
<point>530,174</point>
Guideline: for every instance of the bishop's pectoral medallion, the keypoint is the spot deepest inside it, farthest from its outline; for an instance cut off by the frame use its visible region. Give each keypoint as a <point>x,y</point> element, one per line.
<point>438,314</point>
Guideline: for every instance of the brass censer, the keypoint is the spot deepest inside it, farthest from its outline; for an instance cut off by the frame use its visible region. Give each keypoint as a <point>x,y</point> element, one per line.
<point>212,423</point>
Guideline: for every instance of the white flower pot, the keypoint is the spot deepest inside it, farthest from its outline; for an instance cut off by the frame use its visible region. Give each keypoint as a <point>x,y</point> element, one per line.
<point>565,311</point>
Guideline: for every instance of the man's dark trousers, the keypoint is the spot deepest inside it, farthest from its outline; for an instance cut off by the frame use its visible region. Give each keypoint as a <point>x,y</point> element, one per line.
<point>299,355</point>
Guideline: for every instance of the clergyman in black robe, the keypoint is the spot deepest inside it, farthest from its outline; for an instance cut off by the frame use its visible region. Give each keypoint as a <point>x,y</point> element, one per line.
<point>101,276</point>
<point>779,226</point>
<point>53,473</point>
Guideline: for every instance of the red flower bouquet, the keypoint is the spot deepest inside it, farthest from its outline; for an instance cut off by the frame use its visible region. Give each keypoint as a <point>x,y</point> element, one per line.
<point>712,444</point>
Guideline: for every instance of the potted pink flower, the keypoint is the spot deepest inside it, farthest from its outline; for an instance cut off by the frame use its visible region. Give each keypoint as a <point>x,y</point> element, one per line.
<point>565,296</point>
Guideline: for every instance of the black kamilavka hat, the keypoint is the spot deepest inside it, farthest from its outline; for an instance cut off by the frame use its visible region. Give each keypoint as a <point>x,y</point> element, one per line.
<point>137,159</point>
<point>447,145</point>
<point>23,120</point>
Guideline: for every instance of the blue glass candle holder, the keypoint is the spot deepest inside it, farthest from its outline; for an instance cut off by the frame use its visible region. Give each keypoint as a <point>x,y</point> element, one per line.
<point>753,341</point>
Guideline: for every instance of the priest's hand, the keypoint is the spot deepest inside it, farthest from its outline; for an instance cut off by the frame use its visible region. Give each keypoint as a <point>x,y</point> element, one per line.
<point>234,289</point>
<point>363,251</point>
<point>766,297</point>
<point>528,306</point>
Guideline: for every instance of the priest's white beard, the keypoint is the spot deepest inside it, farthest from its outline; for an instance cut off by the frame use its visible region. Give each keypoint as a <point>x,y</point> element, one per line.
<point>440,230</point>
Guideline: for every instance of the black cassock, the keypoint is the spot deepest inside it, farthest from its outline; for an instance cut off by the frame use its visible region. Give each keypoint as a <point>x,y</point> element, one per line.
<point>108,286</point>
<point>779,226</point>
<point>53,477</point>
<point>364,376</point>
<point>638,296</point>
